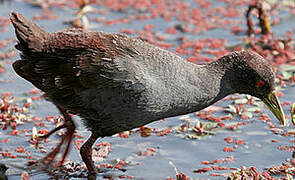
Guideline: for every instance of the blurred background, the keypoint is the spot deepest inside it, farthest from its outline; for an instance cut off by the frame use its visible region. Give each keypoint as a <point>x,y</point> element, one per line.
<point>236,137</point>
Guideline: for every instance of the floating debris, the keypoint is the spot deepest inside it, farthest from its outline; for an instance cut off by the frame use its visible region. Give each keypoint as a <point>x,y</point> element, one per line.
<point>292,111</point>
<point>81,20</point>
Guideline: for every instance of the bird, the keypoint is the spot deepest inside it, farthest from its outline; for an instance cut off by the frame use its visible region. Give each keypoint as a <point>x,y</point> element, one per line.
<point>3,170</point>
<point>116,83</point>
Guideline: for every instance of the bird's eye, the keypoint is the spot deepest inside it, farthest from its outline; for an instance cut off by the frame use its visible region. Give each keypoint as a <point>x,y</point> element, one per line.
<point>260,83</point>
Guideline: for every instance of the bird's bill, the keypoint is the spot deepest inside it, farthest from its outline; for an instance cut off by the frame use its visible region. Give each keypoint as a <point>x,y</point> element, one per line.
<point>273,103</point>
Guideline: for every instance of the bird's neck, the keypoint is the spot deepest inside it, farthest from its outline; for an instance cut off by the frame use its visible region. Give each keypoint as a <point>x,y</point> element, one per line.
<point>202,87</point>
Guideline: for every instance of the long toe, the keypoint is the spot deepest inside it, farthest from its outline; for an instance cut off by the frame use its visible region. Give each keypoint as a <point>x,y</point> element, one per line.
<point>66,139</point>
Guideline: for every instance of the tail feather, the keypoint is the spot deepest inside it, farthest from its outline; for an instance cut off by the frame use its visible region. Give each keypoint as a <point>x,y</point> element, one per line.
<point>25,70</point>
<point>30,36</point>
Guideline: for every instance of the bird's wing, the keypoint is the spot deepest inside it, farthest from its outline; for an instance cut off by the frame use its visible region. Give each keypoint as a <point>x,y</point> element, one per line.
<point>72,61</point>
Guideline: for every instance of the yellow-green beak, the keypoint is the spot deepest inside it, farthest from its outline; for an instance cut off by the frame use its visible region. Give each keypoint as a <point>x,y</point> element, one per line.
<point>273,103</point>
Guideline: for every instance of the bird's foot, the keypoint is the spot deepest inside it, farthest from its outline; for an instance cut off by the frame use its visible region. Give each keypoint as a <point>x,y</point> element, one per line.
<point>53,131</point>
<point>66,139</point>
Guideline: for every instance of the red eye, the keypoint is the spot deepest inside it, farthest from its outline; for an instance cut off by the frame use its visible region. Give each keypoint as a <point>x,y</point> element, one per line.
<point>260,83</point>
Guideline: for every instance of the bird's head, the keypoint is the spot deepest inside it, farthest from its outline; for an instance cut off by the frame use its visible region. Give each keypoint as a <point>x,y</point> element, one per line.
<point>249,73</point>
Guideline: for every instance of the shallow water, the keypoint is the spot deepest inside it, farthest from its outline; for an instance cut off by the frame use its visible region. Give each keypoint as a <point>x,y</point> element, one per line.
<point>186,154</point>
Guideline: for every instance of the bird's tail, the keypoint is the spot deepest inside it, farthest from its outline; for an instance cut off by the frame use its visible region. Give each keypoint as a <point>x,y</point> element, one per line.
<point>31,36</point>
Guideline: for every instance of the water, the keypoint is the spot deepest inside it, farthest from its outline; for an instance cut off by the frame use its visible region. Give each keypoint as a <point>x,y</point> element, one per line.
<point>186,154</point>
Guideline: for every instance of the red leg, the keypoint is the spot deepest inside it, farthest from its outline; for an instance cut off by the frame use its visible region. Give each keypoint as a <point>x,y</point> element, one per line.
<point>50,156</point>
<point>67,138</point>
<point>53,131</point>
<point>68,122</point>
<point>86,154</point>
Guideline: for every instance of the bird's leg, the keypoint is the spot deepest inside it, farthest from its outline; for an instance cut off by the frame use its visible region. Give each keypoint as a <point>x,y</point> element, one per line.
<point>50,157</point>
<point>53,131</point>
<point>86,154</point>
<point>65,125</point>
<point>67,138</point>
